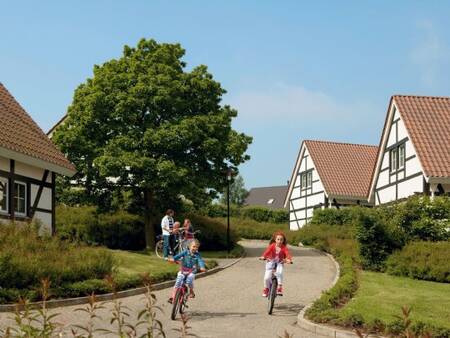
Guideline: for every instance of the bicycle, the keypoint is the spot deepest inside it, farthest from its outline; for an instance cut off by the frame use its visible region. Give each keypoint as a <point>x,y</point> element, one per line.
<point>180,244</point>
<point>179,302</point>
<point>273,287</point>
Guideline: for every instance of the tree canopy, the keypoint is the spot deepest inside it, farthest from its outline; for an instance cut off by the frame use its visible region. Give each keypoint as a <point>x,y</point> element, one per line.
<point>143,121</point>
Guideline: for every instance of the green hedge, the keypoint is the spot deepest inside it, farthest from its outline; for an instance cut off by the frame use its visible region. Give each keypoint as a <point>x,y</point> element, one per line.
<point>382,230</point>
<point>119,230</point>
<point>213,232</point>
<point>251,229</point>
<point>259,214</point>
<point>422,260</point>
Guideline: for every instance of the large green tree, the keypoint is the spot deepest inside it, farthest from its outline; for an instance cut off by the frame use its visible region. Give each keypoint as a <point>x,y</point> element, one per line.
<point>152,126</point>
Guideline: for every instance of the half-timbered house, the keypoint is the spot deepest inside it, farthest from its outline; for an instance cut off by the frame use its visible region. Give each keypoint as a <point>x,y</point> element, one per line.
<point>328,175</point>
<point>414,152</point>
<point>29,163</point>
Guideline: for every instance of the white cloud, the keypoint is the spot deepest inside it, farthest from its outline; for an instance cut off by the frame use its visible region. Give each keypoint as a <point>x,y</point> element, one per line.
<point>292,104</point>
<point>430,51</point>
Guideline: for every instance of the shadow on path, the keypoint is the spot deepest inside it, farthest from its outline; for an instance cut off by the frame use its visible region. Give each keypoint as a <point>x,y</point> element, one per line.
<point>203,315</point>
<point>289,309</point>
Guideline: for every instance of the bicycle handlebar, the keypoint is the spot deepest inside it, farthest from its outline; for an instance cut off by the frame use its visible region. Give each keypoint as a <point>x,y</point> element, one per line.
<point>283,261</point>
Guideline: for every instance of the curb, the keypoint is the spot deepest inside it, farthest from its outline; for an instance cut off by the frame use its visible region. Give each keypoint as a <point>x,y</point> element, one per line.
<point>109,296</point>
<point>320,329</point>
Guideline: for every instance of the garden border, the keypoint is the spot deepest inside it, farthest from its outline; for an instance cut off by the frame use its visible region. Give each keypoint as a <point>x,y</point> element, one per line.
<point>321,329</point>
<point>120,294</point>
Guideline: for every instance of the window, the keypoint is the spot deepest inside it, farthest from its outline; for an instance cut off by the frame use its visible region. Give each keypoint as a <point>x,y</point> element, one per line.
<point>3,195</point>
<point>306,179</point>
<point>270,201</point>
<point>309,179</point>
<point>393,159</point>
<point>401,155</point>
<point>20,198</point>
<point>397,157</point>
<point>303,180</point>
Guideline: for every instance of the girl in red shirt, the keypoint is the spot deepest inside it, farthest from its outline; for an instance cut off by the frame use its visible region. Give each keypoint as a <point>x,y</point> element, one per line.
<point>276,253</point>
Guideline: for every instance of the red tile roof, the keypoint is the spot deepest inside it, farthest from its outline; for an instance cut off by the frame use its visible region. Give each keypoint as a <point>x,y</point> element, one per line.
<point>427,120</point>
<point>20,134</point>
<point>345,169</point>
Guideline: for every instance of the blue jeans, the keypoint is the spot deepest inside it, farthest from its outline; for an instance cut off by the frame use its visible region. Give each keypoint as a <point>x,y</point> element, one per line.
<point>166,246</point>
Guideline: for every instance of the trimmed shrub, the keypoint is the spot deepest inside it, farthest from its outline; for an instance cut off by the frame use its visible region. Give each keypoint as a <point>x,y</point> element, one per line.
<point>119,230</point>
<point>213,233</point>
<point>419,218</point>
<point>251,229</point>
<point>422,260</point>
<point>375,241</point>
<point>260,214</point>
<point>336,216</point>
<point>219,210</point>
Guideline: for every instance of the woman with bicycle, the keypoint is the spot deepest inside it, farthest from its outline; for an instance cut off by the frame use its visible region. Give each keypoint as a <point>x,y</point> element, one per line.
<point>276,254</point>
<point>190,262</point>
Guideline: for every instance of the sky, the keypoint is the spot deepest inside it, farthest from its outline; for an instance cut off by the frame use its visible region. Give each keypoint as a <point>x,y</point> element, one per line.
<point>294,70</point>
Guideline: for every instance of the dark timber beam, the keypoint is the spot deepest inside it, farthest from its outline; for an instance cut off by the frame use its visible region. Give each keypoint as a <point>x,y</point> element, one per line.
<point>38,195</point>
<point>53,203</point>
<point>12,169</point>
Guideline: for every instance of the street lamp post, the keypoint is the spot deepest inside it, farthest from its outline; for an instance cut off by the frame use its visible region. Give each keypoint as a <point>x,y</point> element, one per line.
<point>229,173</point>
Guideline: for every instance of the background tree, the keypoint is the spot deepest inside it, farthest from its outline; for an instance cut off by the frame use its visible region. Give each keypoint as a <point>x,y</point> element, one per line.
<point>238,193</point>
<point>152,126</point>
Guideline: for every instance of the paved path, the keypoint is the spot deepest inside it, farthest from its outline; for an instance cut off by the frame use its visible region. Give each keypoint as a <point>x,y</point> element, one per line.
<point>229,303</point>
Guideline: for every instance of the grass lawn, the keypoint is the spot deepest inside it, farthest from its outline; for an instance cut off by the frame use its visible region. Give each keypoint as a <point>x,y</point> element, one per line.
<point>138,263</point>
<point>381,296</point>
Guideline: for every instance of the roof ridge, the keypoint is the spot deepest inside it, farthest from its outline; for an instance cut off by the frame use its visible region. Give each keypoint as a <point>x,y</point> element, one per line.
<point>272,186</point>
<point>423,96</point>
<point>343,143</point>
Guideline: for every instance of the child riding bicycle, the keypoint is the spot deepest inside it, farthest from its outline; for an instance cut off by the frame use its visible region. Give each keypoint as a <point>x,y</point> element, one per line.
<point>190,262</point>
<point>276,254</point>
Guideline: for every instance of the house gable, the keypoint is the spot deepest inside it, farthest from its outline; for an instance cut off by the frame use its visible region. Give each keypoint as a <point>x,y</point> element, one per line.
<point>306,191</point>
<point>416,133</point>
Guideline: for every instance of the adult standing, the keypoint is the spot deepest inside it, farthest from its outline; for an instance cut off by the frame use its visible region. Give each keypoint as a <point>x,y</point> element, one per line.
<point>167,228</point>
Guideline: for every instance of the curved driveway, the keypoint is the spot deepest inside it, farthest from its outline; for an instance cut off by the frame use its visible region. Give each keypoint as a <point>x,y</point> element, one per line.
<point>229,303</point>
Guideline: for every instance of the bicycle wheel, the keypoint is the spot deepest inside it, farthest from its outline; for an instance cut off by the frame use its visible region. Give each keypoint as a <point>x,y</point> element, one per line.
<point>272,295</point>
<point>176,305</point>
<point>159,248</point>
<point>184,300</point>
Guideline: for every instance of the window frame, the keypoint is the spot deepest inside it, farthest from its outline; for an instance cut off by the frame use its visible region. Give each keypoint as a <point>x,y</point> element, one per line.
<point>393,159</point>
<point>306,179</point>
<point>401,164</point>
<point>6,182</point>
<point>397,162</point>
<point>309,179</point>
<point>18,198</point>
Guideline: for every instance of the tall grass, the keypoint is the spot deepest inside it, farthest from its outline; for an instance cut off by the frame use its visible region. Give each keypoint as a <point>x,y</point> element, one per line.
<point>26,259</point>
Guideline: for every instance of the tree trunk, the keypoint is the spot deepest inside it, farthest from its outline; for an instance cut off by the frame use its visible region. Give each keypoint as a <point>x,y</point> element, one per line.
<point>148,220</point>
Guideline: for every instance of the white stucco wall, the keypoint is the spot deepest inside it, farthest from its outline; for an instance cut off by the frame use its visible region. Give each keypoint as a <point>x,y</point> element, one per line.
<point>391,186</point>
<point>45,201</point>
<point>304,200</point>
